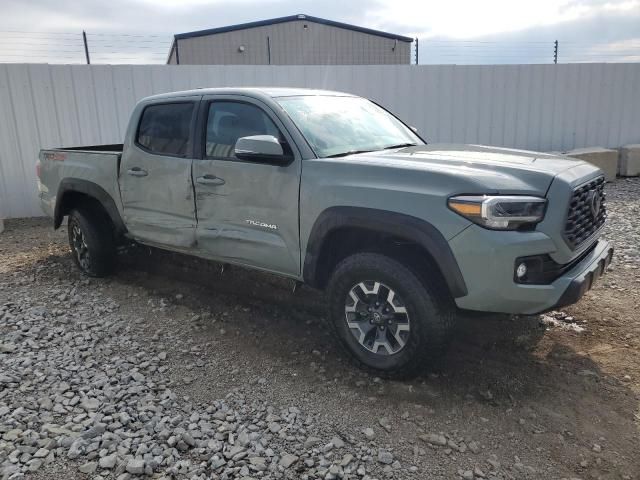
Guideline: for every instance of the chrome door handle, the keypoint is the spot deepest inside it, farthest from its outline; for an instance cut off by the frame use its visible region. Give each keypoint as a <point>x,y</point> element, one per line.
<point>210,180</point>
<point>137,172</point>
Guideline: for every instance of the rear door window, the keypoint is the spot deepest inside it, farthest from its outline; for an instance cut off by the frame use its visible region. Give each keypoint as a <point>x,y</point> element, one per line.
<point>165,129</point>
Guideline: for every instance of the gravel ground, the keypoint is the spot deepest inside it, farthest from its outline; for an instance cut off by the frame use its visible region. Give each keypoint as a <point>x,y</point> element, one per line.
<point>171,370</point>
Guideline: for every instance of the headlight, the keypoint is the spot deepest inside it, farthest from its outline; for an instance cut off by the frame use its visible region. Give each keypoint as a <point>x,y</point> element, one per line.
<point>500,212</point>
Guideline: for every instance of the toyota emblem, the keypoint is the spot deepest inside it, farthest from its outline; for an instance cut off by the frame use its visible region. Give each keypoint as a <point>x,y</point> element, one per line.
<point>595,203</point>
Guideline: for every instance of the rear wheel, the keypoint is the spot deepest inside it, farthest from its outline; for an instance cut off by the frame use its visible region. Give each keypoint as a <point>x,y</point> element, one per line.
<point>389,320</point>
<point>91,241</point>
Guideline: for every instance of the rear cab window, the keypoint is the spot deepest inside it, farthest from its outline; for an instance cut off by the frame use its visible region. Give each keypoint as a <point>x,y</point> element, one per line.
<point>165,129</point>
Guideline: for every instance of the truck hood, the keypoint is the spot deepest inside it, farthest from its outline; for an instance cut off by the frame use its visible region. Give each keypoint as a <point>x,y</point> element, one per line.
<point>501,169</point>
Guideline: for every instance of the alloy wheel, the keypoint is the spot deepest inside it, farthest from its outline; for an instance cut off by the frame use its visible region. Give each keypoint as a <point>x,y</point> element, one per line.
<point>80,248</point>
<point>377,317</point>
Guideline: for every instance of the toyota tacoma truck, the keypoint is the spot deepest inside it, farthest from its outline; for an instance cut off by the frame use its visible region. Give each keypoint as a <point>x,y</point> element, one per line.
<point>332,190</point>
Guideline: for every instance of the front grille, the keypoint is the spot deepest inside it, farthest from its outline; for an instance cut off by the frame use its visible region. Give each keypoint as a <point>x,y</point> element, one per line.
<point>583,220</point>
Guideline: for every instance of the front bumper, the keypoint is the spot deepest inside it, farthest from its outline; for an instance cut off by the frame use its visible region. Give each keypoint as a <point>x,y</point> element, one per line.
<point>583,282</point>
<point>486,259</point>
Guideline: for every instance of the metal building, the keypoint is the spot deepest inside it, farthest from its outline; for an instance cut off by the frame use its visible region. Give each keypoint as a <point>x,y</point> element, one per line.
<point>292,40</point>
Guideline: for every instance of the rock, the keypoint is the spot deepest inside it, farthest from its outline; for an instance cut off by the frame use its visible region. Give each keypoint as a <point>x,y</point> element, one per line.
<point>287,460</point>
<point>7,348</point>
<point>434,439</point>
<point>337,442</point>
<point>90,404</point>
<point>88,467</point>
<point>274,427</point>
<point>41,453</point>
<point>369,433</point>
<point>75,450</point>
<point>108,462</point>
<point>346,460</point>
<point>384,423</point>
<point>12,435</point>
<point>258,463</point>
<point>34,465</point>
<point>385,457</point>
<point>479,473</point>
<point>311,442</point>
<point>135,466</point>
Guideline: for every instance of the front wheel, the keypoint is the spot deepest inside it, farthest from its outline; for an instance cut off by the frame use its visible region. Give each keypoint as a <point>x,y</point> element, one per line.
<point>389,320</point>
<point>91,241</point>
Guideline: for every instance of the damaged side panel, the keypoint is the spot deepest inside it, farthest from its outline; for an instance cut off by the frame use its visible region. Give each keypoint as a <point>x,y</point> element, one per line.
<point>155,174</point>
<point>159,206</point>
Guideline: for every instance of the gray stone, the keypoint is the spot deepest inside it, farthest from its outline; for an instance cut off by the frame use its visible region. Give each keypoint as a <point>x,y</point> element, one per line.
<point>108,462</point>
<point>41,453</point>
<point>311,442</point>
<point>434,439</point>
<point>385,457</point>
<point>288,459</point>
<point>337,442</point>
<point>135,466</point>
<point>88,467</point>
<point>7,348</point>
<point>34,465</point>
<point>90,404</point>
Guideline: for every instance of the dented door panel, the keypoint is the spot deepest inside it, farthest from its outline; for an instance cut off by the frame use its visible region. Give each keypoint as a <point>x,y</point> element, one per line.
<point>250,216</point>
<point>157,189</point>
<point>159,207</point>
<point>253,217</point>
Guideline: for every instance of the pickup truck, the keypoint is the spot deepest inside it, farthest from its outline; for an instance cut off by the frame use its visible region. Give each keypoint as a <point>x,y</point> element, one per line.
<point>334,191</point>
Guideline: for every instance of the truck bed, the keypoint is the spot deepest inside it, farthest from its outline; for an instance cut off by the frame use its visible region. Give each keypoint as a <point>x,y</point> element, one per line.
<point>114,147</point>
<point>92,164</point>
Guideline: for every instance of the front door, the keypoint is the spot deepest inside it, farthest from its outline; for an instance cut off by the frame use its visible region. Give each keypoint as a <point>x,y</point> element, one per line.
<point>247,211</point>
<point>155,175</point>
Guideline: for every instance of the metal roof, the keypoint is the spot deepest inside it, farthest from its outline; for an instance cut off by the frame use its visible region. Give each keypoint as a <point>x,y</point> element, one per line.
<point>291,18</point>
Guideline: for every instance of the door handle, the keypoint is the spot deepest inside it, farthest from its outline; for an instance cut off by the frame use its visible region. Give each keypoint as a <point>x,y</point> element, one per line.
<point>137,172</point>
<point>210,180</point>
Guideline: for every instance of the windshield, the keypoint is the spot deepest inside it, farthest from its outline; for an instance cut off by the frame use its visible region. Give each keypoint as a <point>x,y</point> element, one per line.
<point>337,126</point>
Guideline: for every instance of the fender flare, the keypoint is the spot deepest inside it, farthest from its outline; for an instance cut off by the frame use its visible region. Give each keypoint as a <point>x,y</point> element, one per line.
<point>380,221</point>
<point>91,189</point>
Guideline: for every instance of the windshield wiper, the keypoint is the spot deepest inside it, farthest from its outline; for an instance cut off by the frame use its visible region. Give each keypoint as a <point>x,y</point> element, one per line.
<point>350,152</point>
<point>400,145</point>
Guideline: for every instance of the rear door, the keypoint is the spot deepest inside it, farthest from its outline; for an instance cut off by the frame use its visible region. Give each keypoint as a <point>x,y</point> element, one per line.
<point>247,211</point>
<point>155,174</point>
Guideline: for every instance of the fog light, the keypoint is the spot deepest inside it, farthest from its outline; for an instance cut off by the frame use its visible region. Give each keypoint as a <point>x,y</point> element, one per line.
<point>521,271</point>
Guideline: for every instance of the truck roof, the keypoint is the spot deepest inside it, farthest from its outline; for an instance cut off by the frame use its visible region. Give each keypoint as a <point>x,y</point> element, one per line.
<point>272,92</point>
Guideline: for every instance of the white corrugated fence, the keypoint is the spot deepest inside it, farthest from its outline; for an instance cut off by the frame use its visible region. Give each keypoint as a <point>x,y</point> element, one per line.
<point>537,107</point>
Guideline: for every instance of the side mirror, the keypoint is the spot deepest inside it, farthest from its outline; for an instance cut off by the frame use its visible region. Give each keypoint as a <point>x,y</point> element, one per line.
<point>261,148</point>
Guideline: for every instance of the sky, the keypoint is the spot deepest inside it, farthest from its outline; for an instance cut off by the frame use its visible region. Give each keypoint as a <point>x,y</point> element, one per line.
<point>450,31</point>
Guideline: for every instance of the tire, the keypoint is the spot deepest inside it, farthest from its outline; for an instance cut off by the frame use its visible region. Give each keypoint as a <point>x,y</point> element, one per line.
<point>91,240</point>
<point>419,336</point>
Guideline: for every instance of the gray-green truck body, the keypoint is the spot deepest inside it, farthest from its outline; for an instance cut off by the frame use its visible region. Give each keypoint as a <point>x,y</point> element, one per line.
<point>293,212</point>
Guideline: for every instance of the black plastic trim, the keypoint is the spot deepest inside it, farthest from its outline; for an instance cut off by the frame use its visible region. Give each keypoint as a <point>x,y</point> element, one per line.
<point>392,223</point>
<point>93,190</point>
<point>543,270</point>
<point>579,286</point>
